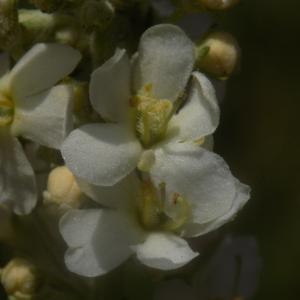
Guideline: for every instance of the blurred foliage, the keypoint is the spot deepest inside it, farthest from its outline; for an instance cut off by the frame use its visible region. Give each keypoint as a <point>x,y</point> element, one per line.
<point>259,136</point>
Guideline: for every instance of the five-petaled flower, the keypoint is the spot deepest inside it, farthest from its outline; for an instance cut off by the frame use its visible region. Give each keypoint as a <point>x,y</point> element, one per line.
<point>32,108</point>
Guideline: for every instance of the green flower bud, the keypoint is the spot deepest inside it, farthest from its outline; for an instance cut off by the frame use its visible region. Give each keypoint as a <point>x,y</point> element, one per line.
<point>19,279</point>
<point>218,54</point>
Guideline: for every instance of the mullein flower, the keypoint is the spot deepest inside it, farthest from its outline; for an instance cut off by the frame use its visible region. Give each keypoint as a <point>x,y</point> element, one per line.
<point>32,108</point>
<point>144,124</point>
<point>143,222</point>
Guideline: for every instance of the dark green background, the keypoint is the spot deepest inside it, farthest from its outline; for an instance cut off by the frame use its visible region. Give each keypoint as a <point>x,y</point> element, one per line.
<point>259,136</point>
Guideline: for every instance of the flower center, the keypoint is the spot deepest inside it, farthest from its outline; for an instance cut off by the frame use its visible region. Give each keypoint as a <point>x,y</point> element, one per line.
<point>152,116</point>
<point>6,110</point>
<point>152,209</point>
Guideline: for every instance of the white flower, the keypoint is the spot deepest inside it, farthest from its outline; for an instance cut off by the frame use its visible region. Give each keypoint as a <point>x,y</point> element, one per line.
<point>31,107</point>
<point>142,222</point>
<point>105,153</point>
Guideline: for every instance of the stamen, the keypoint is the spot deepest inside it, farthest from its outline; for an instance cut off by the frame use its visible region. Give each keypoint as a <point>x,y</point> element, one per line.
<point>153,116</point>
<point>6,111</point>
<point>174,224</point>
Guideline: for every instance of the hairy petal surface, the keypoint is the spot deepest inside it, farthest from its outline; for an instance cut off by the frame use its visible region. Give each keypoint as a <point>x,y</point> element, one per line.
<point>101,154</point>
<point>42,67</point>
<point>45,118</point>
<point>165,60</point>
<point>201,177</point>
<point>110,87</point>
<point>120,195</point>
<point>242,195</point>
<point>99,240</point>
<point>164,251</point>
<point>200,115</point>
<point>17,181</point>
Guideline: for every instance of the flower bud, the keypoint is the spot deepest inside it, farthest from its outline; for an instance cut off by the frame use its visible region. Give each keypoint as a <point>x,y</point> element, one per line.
<point>19,279</point>
<point>217,4</point>
<point>218,54</point>
<point>62,188</point>
<point>96,14</point>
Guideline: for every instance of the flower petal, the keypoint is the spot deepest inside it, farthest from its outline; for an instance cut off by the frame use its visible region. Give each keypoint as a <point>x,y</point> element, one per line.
<point>17,182</point>
<point>199,117</point>
<point>110,87</point>
<point>165,60</point>
<point>99,240</point>
<point>101,154</point>
<point>45,118</point>
<point>242,195</point>
<point>41,67</point>
<point>164,251</point>
<point>119,195</point>
<point>199,176</point>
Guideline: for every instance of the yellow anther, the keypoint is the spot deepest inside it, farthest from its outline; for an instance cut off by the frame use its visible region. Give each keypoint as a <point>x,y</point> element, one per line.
<point>183,213</point>
<point>150,207</point>
<point>200,141</point>
<point>6,110</point>
<point>153,116</point>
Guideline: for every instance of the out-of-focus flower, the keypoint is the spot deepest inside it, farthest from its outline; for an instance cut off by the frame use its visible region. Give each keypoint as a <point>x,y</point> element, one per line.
<point>19,279</point>
<point>217,4</point>
<point>62,188</point>
<point>232,272</point>
<point>32,108</point>
<point>218,54</point>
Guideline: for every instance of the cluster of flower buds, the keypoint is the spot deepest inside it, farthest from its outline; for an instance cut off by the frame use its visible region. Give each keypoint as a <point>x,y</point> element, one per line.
<point>217,4</point>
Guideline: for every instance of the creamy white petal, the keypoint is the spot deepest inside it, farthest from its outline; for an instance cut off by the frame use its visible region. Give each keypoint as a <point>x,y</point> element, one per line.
<point>242,195</point>
<point>120,195</point>
<point>99,240</point>
<point>41,67</point>
<point>165,59</point>
<point>4,63</point>
<point>17,182</point>
<point>45,118</point>
<point>164,251</point>
<point>101,154</point>
<point>110,87</point>
<point>199,176</point>
<point>200,114</point>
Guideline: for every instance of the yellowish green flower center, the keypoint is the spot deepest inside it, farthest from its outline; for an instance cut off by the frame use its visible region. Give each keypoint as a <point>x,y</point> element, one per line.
<point>6,110</point>
<point>152,209</point>
<point>152,116</point>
